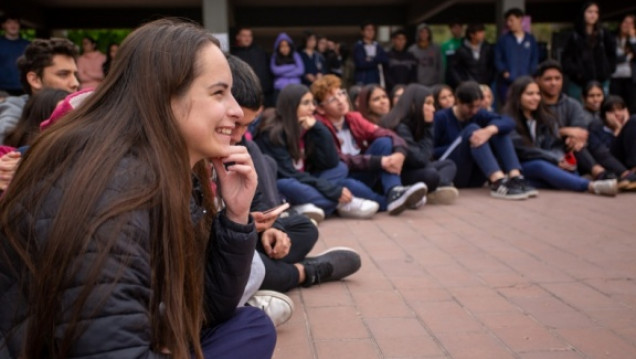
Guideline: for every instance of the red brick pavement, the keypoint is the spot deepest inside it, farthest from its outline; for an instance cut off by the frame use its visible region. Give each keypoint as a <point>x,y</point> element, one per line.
<point>549,278</point>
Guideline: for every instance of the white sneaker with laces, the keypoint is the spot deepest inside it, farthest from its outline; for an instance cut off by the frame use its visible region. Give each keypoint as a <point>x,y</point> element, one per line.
<point>310,211</point>
<point>278,307</point>
<point>358,208</point>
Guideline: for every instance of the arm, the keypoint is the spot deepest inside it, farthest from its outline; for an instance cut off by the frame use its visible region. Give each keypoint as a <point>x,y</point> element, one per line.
<point>439,66</point>
<point>527,152</point>
<point>456,65</point>
<point>500,57</point>
<point>534,55</point>
<point>321,152</point>
<point>504,124</point>
<point>420,153</point>
<point>360,58</point>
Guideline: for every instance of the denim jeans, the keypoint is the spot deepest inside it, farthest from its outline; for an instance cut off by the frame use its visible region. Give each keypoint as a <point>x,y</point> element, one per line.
<point>547,175</point>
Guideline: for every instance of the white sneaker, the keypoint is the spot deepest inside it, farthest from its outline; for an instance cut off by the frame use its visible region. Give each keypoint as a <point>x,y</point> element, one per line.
<point>278,307</point>
<point>443,195</point>
<point>419,204</point>
<point>605,187</point>
<point>310,211</point>
<point>358,208</point>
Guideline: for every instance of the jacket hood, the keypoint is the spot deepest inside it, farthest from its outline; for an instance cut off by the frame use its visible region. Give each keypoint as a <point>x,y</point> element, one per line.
<point>283,36</point>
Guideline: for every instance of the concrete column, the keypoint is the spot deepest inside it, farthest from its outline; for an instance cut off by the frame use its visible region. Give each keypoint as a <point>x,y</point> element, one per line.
<point>500,9</point>
<point>215,19</point>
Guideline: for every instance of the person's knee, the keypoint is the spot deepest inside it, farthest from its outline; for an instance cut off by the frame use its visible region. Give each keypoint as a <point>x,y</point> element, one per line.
<point>468,131</point>
<point>260,330</point>
<point>384,145</point>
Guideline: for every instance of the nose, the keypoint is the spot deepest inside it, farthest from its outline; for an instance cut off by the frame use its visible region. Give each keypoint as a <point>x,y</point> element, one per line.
<point>234,111</point>
<point>74,85</point>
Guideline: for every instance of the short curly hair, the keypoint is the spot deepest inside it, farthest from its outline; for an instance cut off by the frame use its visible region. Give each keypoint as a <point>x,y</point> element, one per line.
<point>39,55</point>
<point>322,87</point>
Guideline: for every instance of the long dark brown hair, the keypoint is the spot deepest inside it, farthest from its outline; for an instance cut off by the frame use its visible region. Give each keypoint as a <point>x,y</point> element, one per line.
<point>409,110</point>
<point>130,114</point>
<point>514,109</point>
<point>364,97</point>
<point>37,109</point>
<point>282,124</point>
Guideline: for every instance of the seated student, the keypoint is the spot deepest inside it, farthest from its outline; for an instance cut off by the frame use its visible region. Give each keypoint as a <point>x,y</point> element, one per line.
<point>539,146</point>
<point>443,97</point>
<point>373,103</point>
<point>486,104</point>
<point>592,157</point>
<point>284,242</point>
<point>37,109</point>
<point>397,91</point>
<point>478,142</point>
<point>593,97</point>
<point>618,133</point>
<point>309,170</point>
<point>412,119</point>
<point>117,276</point>
<point>372,154</point>
<point>286,64</point>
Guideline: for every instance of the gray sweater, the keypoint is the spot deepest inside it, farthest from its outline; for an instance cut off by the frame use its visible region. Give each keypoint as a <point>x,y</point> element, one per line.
<point>10,112</point>
<point>429,64</point>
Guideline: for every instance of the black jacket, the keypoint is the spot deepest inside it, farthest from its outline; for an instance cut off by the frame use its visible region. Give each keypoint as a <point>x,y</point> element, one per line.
<point>584,63</point>
<point>464,66</point>
<point>401,69</point>
<point>420,152</point>
<point>547,145</point>
<point>320,154</point>
<point>258,59</point>
<point>121,326</point>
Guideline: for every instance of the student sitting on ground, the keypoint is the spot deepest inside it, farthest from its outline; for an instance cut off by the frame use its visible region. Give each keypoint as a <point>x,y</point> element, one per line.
<point>373,103</point>
<point>539,146</point>
<point>443,97</point>
<point>309,170</point>
<point>372,154</point>
<point>412,119</point>
<point>478,142</point>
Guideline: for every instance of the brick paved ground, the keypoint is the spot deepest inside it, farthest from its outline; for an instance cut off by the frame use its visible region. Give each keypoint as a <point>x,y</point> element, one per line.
<point>549,278</point>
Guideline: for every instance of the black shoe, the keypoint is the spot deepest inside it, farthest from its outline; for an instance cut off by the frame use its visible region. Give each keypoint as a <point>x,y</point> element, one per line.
<point>523,183</point>
<point>333,264</point>
<point>605,175</point>
<point>627,182</point>
<point>504,189</point>
<point>403,197</point>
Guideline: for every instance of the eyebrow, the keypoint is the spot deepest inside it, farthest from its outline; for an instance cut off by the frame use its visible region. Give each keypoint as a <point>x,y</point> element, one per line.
<point>219,84</point>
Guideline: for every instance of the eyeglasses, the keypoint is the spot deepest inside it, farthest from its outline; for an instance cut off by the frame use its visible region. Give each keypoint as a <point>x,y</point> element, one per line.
<point>339,96</point>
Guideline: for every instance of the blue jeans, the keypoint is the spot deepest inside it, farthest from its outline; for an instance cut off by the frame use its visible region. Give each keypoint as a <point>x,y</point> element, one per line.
<point>339,174</point>
<point>248,334</point>
<point>547,175</point>
<point>382,146</point>
<point>476,164</point>
<point>297,192</point>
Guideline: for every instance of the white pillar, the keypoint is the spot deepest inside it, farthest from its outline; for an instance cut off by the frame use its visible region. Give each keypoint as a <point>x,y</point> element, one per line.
<point>215,19</point>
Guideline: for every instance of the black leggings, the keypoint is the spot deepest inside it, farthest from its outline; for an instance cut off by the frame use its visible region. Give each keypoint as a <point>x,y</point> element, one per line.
<point>435,174</point>
<point>281,275</point>
<point>624,146</point>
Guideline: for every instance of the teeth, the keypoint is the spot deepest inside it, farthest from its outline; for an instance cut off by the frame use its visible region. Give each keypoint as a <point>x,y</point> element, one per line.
<point>225,131</point>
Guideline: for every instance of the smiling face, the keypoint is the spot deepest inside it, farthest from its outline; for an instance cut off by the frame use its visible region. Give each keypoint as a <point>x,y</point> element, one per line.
<point>207,112</point>
<point>379,104</point>
<point>530,98</point>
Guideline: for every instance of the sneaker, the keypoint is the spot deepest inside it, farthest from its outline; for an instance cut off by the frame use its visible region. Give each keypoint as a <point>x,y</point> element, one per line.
<point>278,307</point>
<point>331,265</point>
<point>443,195</point>
<point>520,181</point>
<point>506,189</point>
<point>607,187</point>
<point>419,204</point>
<point>628,182</point>
<point>358,208</point>
<point>310,211</point>
<point>403,197</point>
<point>605,175</point>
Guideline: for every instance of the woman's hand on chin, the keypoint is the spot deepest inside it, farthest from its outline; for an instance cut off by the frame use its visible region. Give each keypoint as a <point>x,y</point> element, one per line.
<point>237,182</point>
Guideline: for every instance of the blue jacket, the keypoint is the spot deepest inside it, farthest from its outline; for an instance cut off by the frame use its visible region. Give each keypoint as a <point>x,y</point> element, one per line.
<point>288,73</point>
<point>367,67</point>
<point>313,65</point>
<point>10,51</point>
<point>517,59</point>
<point>447,127</point>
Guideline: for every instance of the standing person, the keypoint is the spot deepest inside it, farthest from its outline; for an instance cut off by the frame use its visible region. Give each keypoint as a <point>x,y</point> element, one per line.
<point>539,145</point>
<point>474,59</point>
<point>110,56</point>
<point>401,68</point>
<point>368,57</point>
<point>314,61</point>
<point>478,142</point>
<point>309,170</point>
<point>286,64</point>
<point>45,64</point>
<point>430,68</point>
<point>135,261</point>
<point>450,47</point>
<point>373,103</point>
<point>516,53</point>
<point>12,46</point>
<point>623,82</point>
<point>589,53</point>
<point>257,58</point>
<point>90,64</point>
<point>373,155</point>
<point>412,119</point>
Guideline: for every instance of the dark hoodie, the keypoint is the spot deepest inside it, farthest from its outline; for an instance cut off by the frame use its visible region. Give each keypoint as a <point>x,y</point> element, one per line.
<point>286,69</point>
